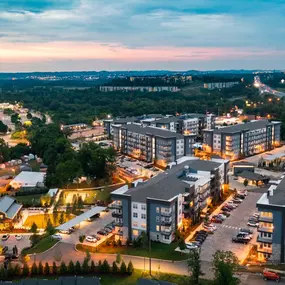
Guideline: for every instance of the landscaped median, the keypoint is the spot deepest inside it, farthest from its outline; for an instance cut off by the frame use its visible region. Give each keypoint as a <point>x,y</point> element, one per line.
<point>45,243</point>
<point>158,250</point>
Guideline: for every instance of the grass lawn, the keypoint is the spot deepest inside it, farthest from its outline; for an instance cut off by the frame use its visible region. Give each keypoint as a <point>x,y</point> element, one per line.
<point>34,199</point>
<point>42,219</point>
<point>131,280</point>
<point>43,245</point>
<point>158,250</point>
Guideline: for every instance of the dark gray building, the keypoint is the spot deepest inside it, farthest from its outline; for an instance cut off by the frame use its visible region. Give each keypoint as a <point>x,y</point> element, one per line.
<point>159,205</point>
<point>243,140</point>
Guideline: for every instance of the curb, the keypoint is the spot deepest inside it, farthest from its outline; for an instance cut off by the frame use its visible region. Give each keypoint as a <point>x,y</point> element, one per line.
<point>32,254</point>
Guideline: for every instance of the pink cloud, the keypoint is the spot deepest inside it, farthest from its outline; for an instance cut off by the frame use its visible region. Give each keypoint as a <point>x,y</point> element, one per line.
<point>35,52</point>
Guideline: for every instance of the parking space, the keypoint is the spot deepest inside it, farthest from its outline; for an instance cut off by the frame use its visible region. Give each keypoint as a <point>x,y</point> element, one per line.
<point>222,238</point>
<point>88,228</point>
<point>11,242</point>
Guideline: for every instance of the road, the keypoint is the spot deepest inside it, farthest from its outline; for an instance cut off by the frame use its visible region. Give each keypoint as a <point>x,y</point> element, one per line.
<point>266,89</point>
<point>256,279</point>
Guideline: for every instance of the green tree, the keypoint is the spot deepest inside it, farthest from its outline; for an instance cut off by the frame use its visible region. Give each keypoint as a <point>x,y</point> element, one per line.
<point>54,268</point>
<point>105,267</point>
<point>62,218</point>
<point>34,239</point>
<point>4,151</point>
<point>71,267</point>
<point>194,266</point>
<point>77,267</point>
<point>88,255</point>
<point>40,268</point>
<point>62,268</point>
<point>34,228</point>
<point>92,267</point>
<point>10,270</point>
<point>34,269</point>
<point>123,268</point>
<point>26,270</point>
<point>181,244</point>
<point>118,258</point>
<point>3,127</point>
<point>46,269</point>
<point>17,270</point>
<point>130,268</point>
<point>245,182</point>
<point>49,228</point>
<point>225,275</point>
<point>115,267</point>
<point>85,266</point>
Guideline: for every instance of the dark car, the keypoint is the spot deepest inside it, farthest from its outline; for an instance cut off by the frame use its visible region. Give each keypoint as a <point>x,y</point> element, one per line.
<point>102,233</point>
<point>216,220</point>
<point>227,214</point>
<point>240,240</point>
<point>240,196</point>
<point>226,209</point>
<point>5,237</point>
<point>242,230</point>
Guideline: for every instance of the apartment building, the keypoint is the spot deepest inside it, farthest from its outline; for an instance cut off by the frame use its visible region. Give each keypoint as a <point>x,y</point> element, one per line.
<point>139,88</point>
<point>160,205</point>
<point>242,140</point>
<point>220,85</point>
<point>152,144</point>
<point>271,235</point>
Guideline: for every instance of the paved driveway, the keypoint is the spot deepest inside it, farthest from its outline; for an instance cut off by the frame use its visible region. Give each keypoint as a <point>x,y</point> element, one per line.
<point>88,228</point>
<point>221,239</point>
<point>11,242</point>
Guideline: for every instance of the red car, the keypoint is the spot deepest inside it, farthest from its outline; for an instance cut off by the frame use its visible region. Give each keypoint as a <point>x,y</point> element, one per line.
<point>217,221</point>
<point>270,275</point>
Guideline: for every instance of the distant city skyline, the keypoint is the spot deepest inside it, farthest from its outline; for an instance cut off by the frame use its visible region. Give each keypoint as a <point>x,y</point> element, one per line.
<point>69,35</point>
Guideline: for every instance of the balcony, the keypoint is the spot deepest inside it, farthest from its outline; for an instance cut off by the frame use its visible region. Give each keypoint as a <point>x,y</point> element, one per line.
<point>116,206</point>
<point>264,239</point>
<point>264,250</point>
<point>118,224</point>
<point>266,219</point>
<point>166,214</point>
<point>166,232</point>
<point>166,223</point>
<point>117,215</point>
<point>265,229</point>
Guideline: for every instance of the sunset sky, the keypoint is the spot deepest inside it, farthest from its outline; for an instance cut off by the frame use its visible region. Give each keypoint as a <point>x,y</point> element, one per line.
<point>55,35</point>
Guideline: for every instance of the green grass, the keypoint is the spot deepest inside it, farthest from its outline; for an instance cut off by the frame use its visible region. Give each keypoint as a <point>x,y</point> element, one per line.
<point>158,250</point>
<point>43,245</point>
<point>28,199</point>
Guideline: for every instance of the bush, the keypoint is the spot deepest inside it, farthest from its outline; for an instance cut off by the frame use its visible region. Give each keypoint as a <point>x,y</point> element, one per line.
<point>119,242</point>
<point>114,243</point>
<point>115,268</point>
<point>108,243</point>
<point>17,270</point>
<point>118,258</point>
<point>123,268</point>
<point>92,267</point>
<point>77,267</point>
<point>105,267</point>
<point>85,266</point>
<point>10,271</point>
<point>82,238</point>
<point>130,268</point>
<point>26,270</point>
<point>71,267</point>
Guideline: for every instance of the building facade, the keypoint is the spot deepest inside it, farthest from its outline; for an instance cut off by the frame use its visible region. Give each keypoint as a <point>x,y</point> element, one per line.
<point>162,204</point>
<point>139,88</point>
<point>220,85</point>
<point>243,140</point>
<point>271,233</point>
<point>155,145</point>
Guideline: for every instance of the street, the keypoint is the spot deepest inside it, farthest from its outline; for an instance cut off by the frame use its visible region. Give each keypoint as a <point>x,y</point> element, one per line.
<point>256,279</point>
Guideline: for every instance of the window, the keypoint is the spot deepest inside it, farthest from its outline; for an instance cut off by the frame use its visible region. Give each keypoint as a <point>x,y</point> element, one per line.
<point>157,209</point>
<point>144,226</point>
<point>135,233</point>
<point>143,207</point>
<point>166,237</point>
<point>135,224</point>
<point>157,228</point>
<point>157,237</point>
<point>135,206</point>
<point>143,216</point>
<point>135,215</point>
<point>157,219</point>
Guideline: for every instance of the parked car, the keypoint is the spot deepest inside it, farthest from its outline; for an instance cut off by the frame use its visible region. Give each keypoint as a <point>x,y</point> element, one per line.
<point>225,213</point>
<point>270,275</point>
<point>191,245</point>
<point>240,240</point>
<point>209,225</point>
<point>57,236</point>
<point>252,224</point>
<point>237,200</point>
<point>102,232</point>
<point>231,207</point>
<point>97,237</point>
<point>256,215</point>
<point>216,220</point>
<point>254,219</point>
<point>242,230</point>
<point>108,230</point>
<point>5,237</point>
<point>231,204</point>
<point>18,237</point>
<point>240,196</point>
<point>244,236</point>
<point>242,192</point>
<point>221,216</point>
<point>91,239</point>
<point>226,209</point>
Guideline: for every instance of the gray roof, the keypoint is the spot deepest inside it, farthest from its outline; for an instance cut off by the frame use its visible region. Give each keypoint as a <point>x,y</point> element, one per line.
<point>9,207</point>
<point>278,197</point>
<point>167,120</point>
<point>143,281</point>
<point>252,176</point>
<point>243,127</point>
<point>169,184</point>
<point>243,163</point>
<point>125,120</point>
<point>135,128</point>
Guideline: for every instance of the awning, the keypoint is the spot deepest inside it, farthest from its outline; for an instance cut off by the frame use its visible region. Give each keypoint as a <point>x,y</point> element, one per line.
<point>83,217</point>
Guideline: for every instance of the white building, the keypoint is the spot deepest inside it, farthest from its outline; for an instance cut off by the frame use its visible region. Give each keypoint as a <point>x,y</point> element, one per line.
<point>27,179</point>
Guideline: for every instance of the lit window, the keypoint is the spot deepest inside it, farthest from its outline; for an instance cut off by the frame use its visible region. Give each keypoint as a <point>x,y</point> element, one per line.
<point>144,226</point>
<point>135,233</point>
<point>157,228</point>
<point>157,209</point>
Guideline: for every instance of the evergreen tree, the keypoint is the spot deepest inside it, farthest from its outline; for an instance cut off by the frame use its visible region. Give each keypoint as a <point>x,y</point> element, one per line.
<point>85,266</point>
<point>17,270</point>
<point>115,267</point>
<point>26,270</point>
<point>123,268</point>
<point>71,267</point>
<point>40,268</point>
<point>106,266</point>
<point>54,268</point>
<point>34,269</point>
<point>77,267</point>
<point>92,267</point>
<point>130,268</point>
<point>118,258</point>
<point>10,270</point>
<point>62,268</point>
<point>34,228</point>
<point>46,269</point>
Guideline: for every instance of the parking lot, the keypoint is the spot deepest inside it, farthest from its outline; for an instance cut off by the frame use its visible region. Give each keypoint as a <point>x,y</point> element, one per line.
<point>88,228</point>
<point>11,242</point>
<point>222,238</point>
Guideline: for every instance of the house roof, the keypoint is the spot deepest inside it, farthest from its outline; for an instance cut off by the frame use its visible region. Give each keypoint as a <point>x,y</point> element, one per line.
<point>243,127</point>
<point>136,128</point>
<point>9,207</point>
<point>278,197</point>
<point>27,178</point>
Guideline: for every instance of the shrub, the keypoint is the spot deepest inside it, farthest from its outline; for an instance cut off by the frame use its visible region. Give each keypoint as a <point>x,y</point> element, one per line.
<point>77,267</point>
<point>108,243</point>
<point>119,242</point>
<point>123,268</point>
<point>92,267</point>
<point>118,258</point>
<point>40,268</point>
<point>114,243</point>
<point>17,270</point>
<point>54,268</point>
<point>115,268</point>
<point>34,269</point>
<point>11,270</point>
<point>62,268</point>
<point>71,267</point>
<point>85,266</point>
<point>46,269</point>
<point>26,270</point>
<point>82,238</point>
<point>130,268</point>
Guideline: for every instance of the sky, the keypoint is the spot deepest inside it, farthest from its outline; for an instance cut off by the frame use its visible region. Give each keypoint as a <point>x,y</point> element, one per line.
<point>66,35</point>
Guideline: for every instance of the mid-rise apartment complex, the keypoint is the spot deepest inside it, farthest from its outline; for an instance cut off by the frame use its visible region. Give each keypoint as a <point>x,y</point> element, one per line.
<point>242,140</point>
<point>220,85</point>
<point>159,205</point>
<point>271,233</point>
<point>152,144</point>
<point>139,88</point>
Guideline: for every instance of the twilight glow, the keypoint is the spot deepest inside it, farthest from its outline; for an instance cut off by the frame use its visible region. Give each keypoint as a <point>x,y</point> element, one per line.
<point>131,34</point>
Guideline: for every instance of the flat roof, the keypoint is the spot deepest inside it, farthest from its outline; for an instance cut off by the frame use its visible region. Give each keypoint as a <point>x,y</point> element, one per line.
<point>167,120</point>
<point>272,156</point>
<point>29,178</point>
<point>243,163</point>
<point>251,175</point>
<point>136,128</point>
<point>242,127</point>
<point>83,217</point>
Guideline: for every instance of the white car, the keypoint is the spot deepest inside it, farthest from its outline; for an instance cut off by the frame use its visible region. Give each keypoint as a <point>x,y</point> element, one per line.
<point>252,224</point>
<point>210,227</point>
<point>57,236</point>
<point>232,204</point>
<point>18,237</point>
<point>223,217</point>
<point>191,245</point>
<point>91,239</point>
<point>243,192</point>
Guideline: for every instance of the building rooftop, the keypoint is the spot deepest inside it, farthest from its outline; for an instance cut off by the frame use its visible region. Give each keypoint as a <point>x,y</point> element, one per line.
<point>243,127</point>
<point>172,182</point>
<point>136,128</point>
<point>9,207</point>
<point>28,179</point>
<point>252,176</point>
<point>167,120</point>
<point>243,163</point>
<point>278,197</point>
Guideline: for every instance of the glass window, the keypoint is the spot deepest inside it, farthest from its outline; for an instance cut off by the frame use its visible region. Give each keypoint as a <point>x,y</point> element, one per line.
<point>143,216</point>
<point>135,233</point>
<point>143,207</point>
<point>157,209</point>
<point>157,218</point>
<point>166,237</point>
<point>135,206</point>
<point>135,215</point>
<point>157,228</point>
